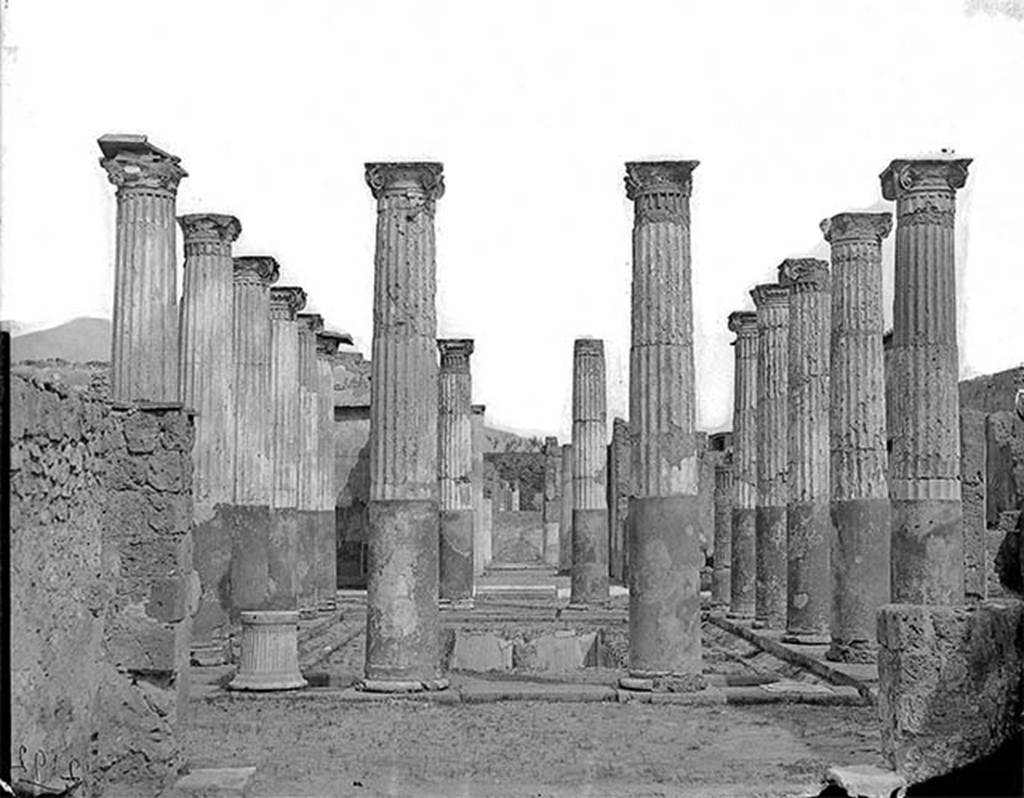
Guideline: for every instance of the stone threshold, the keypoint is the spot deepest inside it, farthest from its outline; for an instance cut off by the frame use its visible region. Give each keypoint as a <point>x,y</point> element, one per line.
<point>491,692</point>
<point>862,678</point>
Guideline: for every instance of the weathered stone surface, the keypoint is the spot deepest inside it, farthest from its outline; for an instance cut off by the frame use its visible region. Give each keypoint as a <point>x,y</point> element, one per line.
<point>808,525</point>
<point>310,487</point>
<point>664,601</point>
<point>857,433</point>
<point>924,484</point>
<point>402,615</point>
<point>518,536</point>
<point>772,302</point>
<point>973,457</point>
<point>481,652</point>
<point>214,783</point>
<point>590,473</point>
<point>744,415</point>
<point>949,684</point>
<point>866,781</point>
<point>560,652</point>
<point>102,590</point>
<point>144,360</point>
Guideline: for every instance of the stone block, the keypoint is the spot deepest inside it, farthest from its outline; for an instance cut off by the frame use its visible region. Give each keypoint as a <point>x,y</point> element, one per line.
<point>949,684</point>
<point>481,652</point>
<point>866,781</point>
<point>563,651</point>
<point>141,433</point>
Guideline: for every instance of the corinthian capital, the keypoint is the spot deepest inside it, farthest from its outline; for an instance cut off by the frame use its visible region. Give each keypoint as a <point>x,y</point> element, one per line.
<point>743,323</point>
<point>645,177</point>
<point>209,227</point>
<point>286,301</point>
<point>423,178</point>
<point>804,271</point>
<point>769,295</point>
<point>261,269</point>
<point>132,162</point>
<point>856,227</point>
<point>906,175</point>
<point>310,322</point>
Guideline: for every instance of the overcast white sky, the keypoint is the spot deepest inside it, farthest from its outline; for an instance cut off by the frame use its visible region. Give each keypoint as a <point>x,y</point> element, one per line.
<point>793,108</point>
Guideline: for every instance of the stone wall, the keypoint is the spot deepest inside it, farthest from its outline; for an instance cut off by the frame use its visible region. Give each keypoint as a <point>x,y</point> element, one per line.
<point>994,394</point>
<point>102,586</point>
<point>352,474</point>
<point>517,537</point>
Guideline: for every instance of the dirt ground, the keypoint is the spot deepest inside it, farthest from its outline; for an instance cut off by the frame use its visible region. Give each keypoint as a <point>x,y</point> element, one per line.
<point>330,748</point>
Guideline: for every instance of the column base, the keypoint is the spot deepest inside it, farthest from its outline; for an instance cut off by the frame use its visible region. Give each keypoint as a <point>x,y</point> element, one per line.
<point>270,653</point>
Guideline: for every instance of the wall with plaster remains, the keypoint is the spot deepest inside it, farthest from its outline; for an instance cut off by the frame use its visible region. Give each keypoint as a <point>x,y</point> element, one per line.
<point>102,586</point>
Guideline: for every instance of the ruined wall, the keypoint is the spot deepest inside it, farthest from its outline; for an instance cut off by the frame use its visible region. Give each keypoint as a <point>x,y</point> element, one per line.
<point>102,586</point>
<point>994,394</point>
<point>517,536</point>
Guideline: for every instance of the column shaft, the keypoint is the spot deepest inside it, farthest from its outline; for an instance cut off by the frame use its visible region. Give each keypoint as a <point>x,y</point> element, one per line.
<point>565,527</point>
<point>402,615</point>
<point>589,574</point>
<point>326,565</point>
<point>455,470</point>
<point>285,437</point>
<point>857,434</point>
<point>310,487</point>
<point>552,497</point>
<point>664,546</point>
<point>927,536</point>
<point>252,419</point>
<point>620,458</point>
<point>479,528</point>
<point>206,365</point>
<point>744,420</point>
<point>144,336</point>
<point>772,302</point>
<point>808,526</point>
<point>721,577</point>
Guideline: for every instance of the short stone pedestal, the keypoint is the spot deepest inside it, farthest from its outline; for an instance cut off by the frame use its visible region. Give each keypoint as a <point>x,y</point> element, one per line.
<point>948,684</point>
<point>269,659</point>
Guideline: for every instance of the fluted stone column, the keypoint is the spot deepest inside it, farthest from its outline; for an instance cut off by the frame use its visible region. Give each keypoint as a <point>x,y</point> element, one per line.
<point>270,652</point>
<point>253,276</point>
<point>721,576</point>
<point>808,525</point>
<point>857,434</point>
<point>620,458</point>
<point>206,365</point>
<point>552,509</point>
<point>144,336</point>
<point>309,488</point>
<point>402,650</point>
<point>744,421</point>
<point>565,529</point>
<point>206,370</point>
<point>772,303</point>
<point>927,536</point>
<point>285,440</point>
<point>589,572</point>
<point>455,470</point>
<point>326,564</point>
<point>480,530</point>
<point>664,545</point>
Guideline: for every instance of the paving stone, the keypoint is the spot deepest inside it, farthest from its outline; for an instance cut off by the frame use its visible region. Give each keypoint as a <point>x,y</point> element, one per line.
<point>866,781</point>
<point>214,783</point>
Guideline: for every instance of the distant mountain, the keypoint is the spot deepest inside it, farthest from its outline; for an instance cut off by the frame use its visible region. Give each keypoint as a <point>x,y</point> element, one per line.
<point>77,341</point>
<point>500,440</point>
